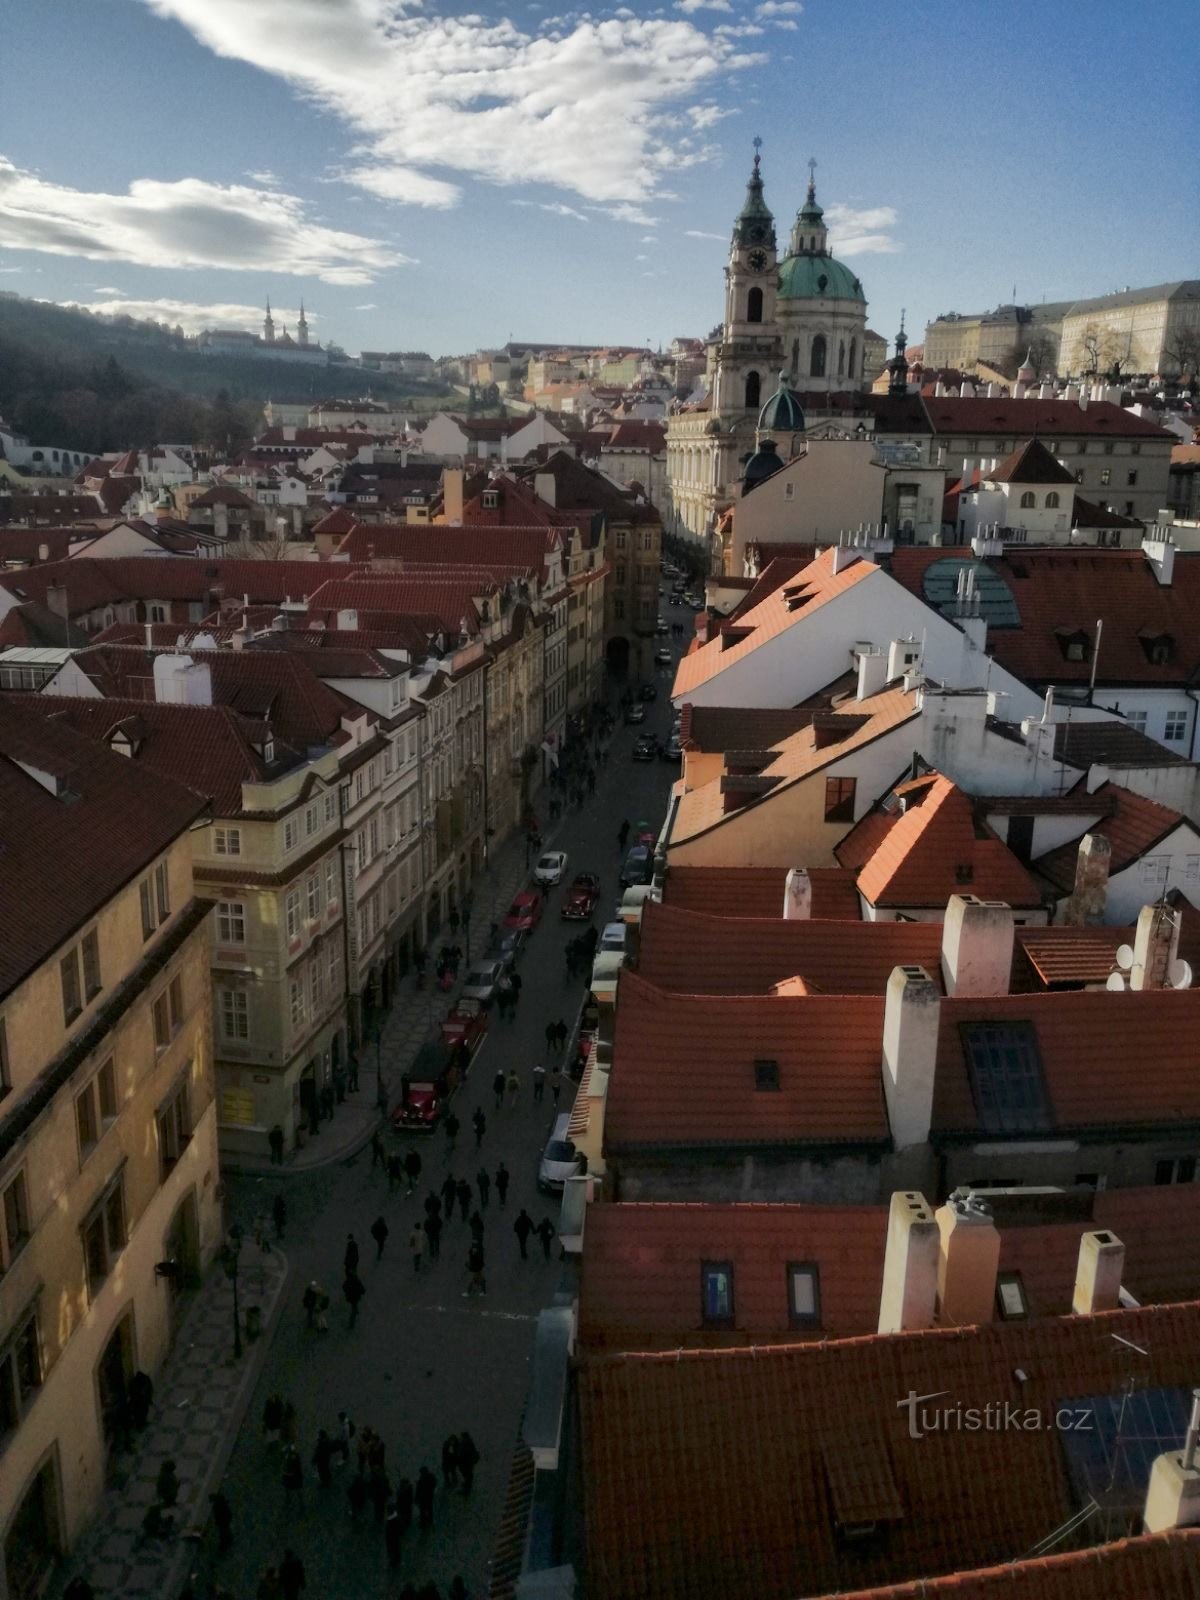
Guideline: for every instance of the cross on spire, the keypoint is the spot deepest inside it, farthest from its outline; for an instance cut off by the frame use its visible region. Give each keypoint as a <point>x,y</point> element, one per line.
<point>812,177</point>
<point>757,143</point>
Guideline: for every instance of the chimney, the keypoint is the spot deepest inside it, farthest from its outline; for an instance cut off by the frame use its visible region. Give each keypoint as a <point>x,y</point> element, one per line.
<point>872,671</point>
<point>1160,553</point>
<point>904,657</point>
<point>1098,1273</point>
<point>977,946</point>
<point>347,620</point>
<point>908,1299</point>
<point>843,555</point>
<point>910,1043</point>
<point>1173,1494</point>
<point>545,487</point>
<point>56,600</point>
<point>453,479</point>
<point>43,552</point>
<point>797,895</point>
<point>968,1256</point>
<point>1155,946</point>
<point>1087,901</point>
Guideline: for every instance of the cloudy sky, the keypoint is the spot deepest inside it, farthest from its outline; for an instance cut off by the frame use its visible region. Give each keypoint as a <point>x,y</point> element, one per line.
<point>428,176</point>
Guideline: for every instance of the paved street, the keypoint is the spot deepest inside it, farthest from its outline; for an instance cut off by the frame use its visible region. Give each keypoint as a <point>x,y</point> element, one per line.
<point>424,1360</point>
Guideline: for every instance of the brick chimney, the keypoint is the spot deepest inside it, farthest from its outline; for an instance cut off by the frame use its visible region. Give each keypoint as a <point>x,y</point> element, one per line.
<point>1173,1494</point>
<point>1085,907</point>
<point>797,895</point>
<point>1155,946</point>
<point>1098,1273</point>
<point>912,1010</point>
<point>908,1299</point>
<point>977,946</point>
<point>968,1256</point>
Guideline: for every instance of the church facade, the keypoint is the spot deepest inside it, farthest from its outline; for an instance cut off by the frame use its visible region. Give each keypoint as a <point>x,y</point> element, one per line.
<point>796,321</point>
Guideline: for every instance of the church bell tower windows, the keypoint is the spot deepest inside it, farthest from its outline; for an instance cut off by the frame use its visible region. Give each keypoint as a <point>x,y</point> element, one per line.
<point>817,364</point>
<point>753,391</point>
<point>754,305</point>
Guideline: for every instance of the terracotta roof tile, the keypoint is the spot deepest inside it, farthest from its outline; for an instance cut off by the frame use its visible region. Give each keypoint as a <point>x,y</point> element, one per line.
<point>1049,419</point>
<point>1030,462</point>
<point>1134,825</point>
<point>758,891</point>
<point>720,728</point>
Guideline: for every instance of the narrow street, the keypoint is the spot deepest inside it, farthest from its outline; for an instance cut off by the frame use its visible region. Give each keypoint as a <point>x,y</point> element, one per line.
<point>426,1361</point>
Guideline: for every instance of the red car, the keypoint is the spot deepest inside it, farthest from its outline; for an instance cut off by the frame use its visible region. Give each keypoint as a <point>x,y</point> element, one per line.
<point>525,912</point>
<point>466,1025</point>
<point>580,900</point>
<point>423,1111</point>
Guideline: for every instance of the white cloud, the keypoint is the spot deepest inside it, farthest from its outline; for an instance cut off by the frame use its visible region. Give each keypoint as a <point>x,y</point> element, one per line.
<point>369,306</point>
<point>707,116</point>
<point>106,288</point>
<point>264,176</point>
<point>554,207</point>
<point>689,7</point>
<point>740,30</point>
<point>191,315</point>
<point>778,8</point>
<point>188,223</point>
<point>429,98</point>
<point>648,238</point>
<point>697,233</point>
<point>786,22</point>
<point>862,232</point>
<point>627,213</point>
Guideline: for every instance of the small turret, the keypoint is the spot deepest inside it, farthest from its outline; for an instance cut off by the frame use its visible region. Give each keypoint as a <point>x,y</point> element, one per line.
<point>754,223</point>
<point>898,365</point>
<point>268,325</point>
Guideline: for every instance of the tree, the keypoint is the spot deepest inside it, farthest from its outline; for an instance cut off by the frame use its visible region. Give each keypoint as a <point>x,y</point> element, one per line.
<point>1183,351</point>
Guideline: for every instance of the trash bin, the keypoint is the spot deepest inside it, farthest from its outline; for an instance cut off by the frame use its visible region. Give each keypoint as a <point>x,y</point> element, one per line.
<point>253,1322</point>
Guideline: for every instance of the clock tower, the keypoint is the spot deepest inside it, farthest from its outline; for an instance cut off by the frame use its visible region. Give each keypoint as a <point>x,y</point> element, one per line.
<point>747,351</point>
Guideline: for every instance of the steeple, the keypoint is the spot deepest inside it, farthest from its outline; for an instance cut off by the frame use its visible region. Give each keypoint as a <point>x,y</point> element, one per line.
<point>268,325</point>
<point>302,327</point>
<point>898,365</point>
<point>754,223</point>
<point>810,236</point>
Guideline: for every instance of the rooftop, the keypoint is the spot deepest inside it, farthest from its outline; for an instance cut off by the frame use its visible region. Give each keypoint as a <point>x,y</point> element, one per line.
<point>1131,824</point>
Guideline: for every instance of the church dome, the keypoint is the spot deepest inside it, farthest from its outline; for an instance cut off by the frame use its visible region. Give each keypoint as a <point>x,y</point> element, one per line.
<point>783,412</point>
<point>763,464</point>
<point>818,277</point>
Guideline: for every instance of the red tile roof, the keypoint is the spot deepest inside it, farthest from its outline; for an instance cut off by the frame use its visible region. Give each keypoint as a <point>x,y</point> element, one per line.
<point>1030,462</point>
<point>449,599</point>
<point>1049,419</point>
<point>1066,954</point>
<point>513,548</point>
<point>721,728</point>
<point>716,1475</point>
<point>758,891</point>
<point>683,1070</point>
<point>1134,827</point>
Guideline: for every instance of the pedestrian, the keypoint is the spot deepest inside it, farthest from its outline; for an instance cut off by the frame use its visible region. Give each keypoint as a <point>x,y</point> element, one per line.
<point>545,1232</point>
<point>450,1461</point>
<point>463,1191</point>
<point>449,1193</point>
<point>339,1085</point>
<point>477,1282</point>
<point>513,1084</point>
<point>272,1418</point>
<point>556,1084</point>
<point>432,1203</point>
<point>539,1082</point>
<point>391,1535</point>
<point>353,1288</point>
<point>275,1140</point>
<point>356,1493</point>
<point>412,1169</point>
<point>433,1231</point>
<point>268,1585</point>
<point>327,1101</point>
<point>376,1150</point>
<point>380,1491</point>
<point>222,1515</point>
<point>523,1227</point>
<point>291,1576</point>
<point>475,1223</point>
<point>350,1255</point>
<point>346,1431</point>
<point>451,1125</point>
<point>423,1497</point>
<point>561,1030</point>
<point>479,1123</point>
<point>322,1458</point>
<point>550,1037</point>
<point>322,1311</point>
<point>468,1460</point>
<point>502,1184</point>
<point>292,1478</point>
<point>379,1232</point>
<point>352,1074</point>
<point>395,1171</point>
<point>416,1245</point>
<point>483,1183</point>
<point>141,1398</point>
<point>515,980</point>
<point>166,1485</point>
<point>404,1504</point>
<point>498,1087</point>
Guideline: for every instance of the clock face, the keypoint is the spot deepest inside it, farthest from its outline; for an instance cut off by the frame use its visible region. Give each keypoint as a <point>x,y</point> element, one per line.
<point>757,260</point>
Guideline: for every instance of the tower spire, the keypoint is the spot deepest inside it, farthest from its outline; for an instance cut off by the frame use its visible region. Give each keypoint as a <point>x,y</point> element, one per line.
<point>754,223</point>
<point>898,365</point>
<point>269,325</point>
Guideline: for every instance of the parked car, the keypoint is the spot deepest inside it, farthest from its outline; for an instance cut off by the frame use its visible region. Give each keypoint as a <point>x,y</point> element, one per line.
<point>648,692</point>
<point>560,1159</point>
<point>551,868</point>
<point>662,658</point>
<point>662,625</point>
<point>646,835</point>
<point>481,980</point>
<point>635,713</point>
<point>580,900</point>
<point>466,1024</point>
<point>525,912</point>
<point>423,1110</point>
<point>671,749</point>
<point>506,947</point>
<point>645,748</point>
<point>613,937</point>
<point>638,867</point>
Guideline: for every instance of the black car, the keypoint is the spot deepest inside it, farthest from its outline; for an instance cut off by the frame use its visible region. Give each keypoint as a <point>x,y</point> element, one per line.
<point>645,749</point>
<point>647,692</point>
<point>635,713</point>
<point>638,868</point>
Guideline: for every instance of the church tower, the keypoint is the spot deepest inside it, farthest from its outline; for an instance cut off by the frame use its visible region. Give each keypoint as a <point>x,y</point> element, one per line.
<point>898,365</point>
<point>747,353</point>
<point>302,328</point>
<point>268,326</point>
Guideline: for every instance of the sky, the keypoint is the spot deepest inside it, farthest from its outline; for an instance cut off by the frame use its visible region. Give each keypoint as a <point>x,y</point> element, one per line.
<point>426,176</point>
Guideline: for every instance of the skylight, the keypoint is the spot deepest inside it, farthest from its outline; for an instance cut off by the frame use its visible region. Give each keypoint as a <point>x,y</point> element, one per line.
<point>1005,1068</point>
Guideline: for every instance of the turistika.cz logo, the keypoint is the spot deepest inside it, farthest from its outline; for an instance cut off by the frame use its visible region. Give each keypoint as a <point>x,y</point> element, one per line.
<point>997,1416</point>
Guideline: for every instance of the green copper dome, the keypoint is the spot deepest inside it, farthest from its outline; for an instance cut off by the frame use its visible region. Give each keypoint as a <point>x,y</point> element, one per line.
<point>815,277</point>
<point>783,412</point>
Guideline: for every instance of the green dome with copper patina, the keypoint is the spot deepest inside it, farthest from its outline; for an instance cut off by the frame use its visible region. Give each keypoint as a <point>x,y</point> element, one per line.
<point>818,277</point>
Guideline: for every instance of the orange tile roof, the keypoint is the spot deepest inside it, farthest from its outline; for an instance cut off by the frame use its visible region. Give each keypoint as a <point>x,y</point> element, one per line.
<point>1072,955</point>
<point>758,891</point>
<point>707,1475</point>
<point>1134,826</point>
<point>683,1070</point>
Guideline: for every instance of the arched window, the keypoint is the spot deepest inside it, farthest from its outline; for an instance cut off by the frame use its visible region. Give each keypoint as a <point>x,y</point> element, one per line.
<point>754,306</point>
<point>841,358</point>
<point>795,357</point>
<point>753,384</point>
<point>1052,500</point>
<point>853,367</point>
<point>817,365</point>
<point>1028,500</point>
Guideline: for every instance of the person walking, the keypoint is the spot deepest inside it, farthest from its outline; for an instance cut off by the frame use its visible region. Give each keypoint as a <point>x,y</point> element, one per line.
<point>539,1082</point>
<point>423,1497</point>
<point>377,1159</point>
<point>416,1245</point>
<point>513,1085</point>
<point>502,1184</point>
<point>475,1223</point>
<point>292,1479</point>
<point>412,1169</point>
<point>222,1515</point>
<point>561,1030</point>
<point>623,835</point>
<point>463,1191</point>
<point>451,1126</point>
<point>379,1232</point>
<point>322,1458</point>
<point>545,1232</point>
<point>395,1171</point>
<point>514,981</point>
<point>556,1083</point>
<point>350,1255</point>
<point>292,1579</point>
<point>468,1460</point>
<point>166,1486</point>
<point>483,1183</point>
<point>523,1227</point>
<point>392,1535</point>
<point>433,1203</point>
<point>272,1419</point>
<point>345,1435</point>
<point>450,1461</point>
<point>551,1035</point>
<point>433,1232</point>
<point>477,1283</point>
<point>498,1087</point>
<point>479,1123</point>
<point>353,1289</point>
<point>449,1192</point>
<point>279,1212</point>
<point>275,1141</point>
<point>356,1493</point>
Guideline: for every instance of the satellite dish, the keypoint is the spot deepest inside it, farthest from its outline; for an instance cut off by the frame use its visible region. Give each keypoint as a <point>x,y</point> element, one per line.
<point>1179,974</point>
<point>1115,982</point>
<point>1125,957</point>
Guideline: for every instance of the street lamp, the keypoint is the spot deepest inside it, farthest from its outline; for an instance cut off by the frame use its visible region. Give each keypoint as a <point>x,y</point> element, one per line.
<point>229,1260</point>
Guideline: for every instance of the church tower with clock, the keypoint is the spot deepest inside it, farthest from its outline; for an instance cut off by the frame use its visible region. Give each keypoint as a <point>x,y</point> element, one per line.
<point>745,355</point>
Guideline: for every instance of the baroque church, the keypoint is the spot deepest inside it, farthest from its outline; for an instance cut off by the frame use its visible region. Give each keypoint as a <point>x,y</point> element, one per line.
<point>792,343</point>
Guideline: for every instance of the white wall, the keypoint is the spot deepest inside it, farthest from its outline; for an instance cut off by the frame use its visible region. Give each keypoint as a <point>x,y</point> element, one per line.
<point>1173,864</point>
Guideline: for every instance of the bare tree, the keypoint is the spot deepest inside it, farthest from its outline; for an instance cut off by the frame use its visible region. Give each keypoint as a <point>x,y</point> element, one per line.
<point>1183,351</point>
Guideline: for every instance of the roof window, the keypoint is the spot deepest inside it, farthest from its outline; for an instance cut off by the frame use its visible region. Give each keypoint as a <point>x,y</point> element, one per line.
<point>766,1074</point>
<point>1005,1068</point>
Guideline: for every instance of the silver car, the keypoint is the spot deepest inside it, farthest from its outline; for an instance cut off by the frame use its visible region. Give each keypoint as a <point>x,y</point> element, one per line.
<point>480,982</point>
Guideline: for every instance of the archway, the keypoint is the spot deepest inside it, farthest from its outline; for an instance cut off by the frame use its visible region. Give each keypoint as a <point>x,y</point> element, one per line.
<point>34,1540</point>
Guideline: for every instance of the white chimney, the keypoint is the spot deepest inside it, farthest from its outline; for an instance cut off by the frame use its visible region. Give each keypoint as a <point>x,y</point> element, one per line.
<point>904,657</point>
<point>968,1256</point>
<point>1173,1494</point>
<point>911,1014</point>
<point>1160,553</point>
<point>1098,1273</point>
<point>347,620</point>
<point>545,487</point>
<point>1155,947</point>
<point>977,946</point>
<point>797,895</point>
<point>872,671</point>
<point>43,552</point>
<point>908,1299</point>
<point>843,555</point>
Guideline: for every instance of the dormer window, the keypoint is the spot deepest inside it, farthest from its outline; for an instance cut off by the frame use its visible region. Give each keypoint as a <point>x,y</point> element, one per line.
<point>1075,644</point>
<point>491,499</point>
<point>1159,648</point>
<point>766,1074</point>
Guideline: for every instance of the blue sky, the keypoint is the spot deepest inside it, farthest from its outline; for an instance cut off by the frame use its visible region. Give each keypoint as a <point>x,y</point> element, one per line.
<point>427,176</point>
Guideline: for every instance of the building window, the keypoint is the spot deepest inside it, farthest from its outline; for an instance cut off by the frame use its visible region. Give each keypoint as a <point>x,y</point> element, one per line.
<point>716,1294</point>
<point>296,991</point>
<point>235,1013</point>
<point>817,364</point>
<point>96,1109</point>
<point>1135,449</point>
<point>1128,510</point>
<point>804,1294</point>
<point>1052,501</point>
<point>292,906</point>
<point>839,799</point>
<point>1175,727</point>
<point>289,835</point>
<point>231,922</point>
<point>72,995</point>
<point>754,305</point>
<point>15,1202</point>
<point>766,1073</point>
<point>1108,448</point>
<point>330,806</point>
<point>312,893</point>
<point>1105,477</point>
<point>227,841</point>
<point>1131,480</point>
<point>1028,500</point>
<point>331,882</point>
<point>753,389</point>
<point>1136,719</point>
<point>1011,1302</point>
<point>104,1234</point>
<point>20,1371</point>
<point>162,891</point>
<point>1181,1170</point>
<point>146,896</point>
<point>174,1129</point>
<point>5,1069</point>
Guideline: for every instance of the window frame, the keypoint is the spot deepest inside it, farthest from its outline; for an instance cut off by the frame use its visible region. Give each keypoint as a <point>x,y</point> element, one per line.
<point>71,985</point>
<point>16,1392</point>
<point>162,892</point>
<point>173,1125</point>
<point>229,913</point>
<point>1011,1280</point>
<point>13,1241</point>
<point>227,841</point>
<point>233,1005</point>
<point>107,1207</point>
<point>146,901</point>
<point>93,981</point>
<point>725,1319</point>
<point>842,808</point>
<point>1175,726</point>
<point>797,1318</point>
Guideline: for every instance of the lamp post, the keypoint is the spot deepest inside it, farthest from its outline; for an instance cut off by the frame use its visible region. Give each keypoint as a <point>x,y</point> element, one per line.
<point>229,1260</point>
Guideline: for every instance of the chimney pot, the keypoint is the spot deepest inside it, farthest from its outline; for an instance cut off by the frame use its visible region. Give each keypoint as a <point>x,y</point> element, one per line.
<point>1155,946</point>
<point>908,1299</point>
<point>977,946</point>
<point>1173,1494</point>
<point>1085,907</point>
<point>968,1257</point>
<point>1098,1272</point>
<point>912,1010</point>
